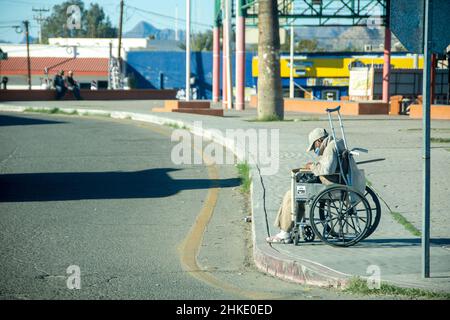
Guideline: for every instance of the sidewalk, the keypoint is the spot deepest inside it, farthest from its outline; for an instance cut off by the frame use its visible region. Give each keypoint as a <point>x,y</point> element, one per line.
<point>398,180</point>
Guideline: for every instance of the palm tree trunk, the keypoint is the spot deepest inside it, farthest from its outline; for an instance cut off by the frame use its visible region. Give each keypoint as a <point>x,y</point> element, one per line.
<point>270,96</point>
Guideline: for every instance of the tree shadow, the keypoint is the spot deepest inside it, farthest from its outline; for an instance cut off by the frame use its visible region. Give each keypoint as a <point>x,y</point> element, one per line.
<point>151,183</point>
<point>23,121</point>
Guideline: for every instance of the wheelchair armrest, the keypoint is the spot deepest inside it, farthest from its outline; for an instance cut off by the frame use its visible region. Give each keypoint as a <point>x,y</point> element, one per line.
<point>355,152</point>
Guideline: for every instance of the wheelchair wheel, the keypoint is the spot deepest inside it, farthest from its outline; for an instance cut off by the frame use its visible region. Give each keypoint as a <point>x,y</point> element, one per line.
<point>340,216</point>
<point>375,208</point>
<point>308,234</point>
<point>296,237</point>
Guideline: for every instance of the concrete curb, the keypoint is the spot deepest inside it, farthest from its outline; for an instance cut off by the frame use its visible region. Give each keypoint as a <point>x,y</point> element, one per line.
<point>266,257</point>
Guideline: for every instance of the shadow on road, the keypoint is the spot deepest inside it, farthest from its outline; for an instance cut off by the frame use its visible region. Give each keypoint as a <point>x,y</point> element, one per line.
<point>397,243</point>
<point>23,121</point>
<point>389,243</point>
<point>151,183</point>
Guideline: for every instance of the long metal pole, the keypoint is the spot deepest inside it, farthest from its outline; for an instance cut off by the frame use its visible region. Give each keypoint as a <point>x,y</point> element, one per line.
<point>240,57</point>
<point>433,77</point>
<point>109,65</point>
<point>291,59</point>
<point>224,57</point>
<point>176,23</point>
<point>228,53</point>
<point>119,47</point>
<point>448,68</point>
<point>216,63</point>
<point>27,35</point>
<point>426,143</point>
<point>188,50</point>
<point>216,52</point>
<point>387,55</point>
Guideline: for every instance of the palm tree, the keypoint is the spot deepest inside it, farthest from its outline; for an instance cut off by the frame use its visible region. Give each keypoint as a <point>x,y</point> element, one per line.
<point>270,95</point>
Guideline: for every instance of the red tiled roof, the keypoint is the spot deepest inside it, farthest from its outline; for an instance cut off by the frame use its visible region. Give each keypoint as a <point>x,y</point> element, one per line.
<point>80,66</point>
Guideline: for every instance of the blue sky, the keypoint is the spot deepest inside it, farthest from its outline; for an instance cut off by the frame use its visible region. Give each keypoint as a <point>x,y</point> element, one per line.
<point>15,11</point>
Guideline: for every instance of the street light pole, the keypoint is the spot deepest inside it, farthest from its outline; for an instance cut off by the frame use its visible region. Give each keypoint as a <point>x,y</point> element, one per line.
<point>27,35</point>
<point>291,58</point>
<point>188,50</point>
<point>240,56</point>
<point>119,58</point>
<point>228,54</point>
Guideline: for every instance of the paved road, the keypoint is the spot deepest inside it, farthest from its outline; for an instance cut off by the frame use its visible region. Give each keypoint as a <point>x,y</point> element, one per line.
<point>104,195</point>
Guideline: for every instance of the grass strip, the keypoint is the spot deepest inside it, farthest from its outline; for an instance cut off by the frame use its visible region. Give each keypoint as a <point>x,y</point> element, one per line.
<point>440,140</point>
<point>244,175</point>
<point>405,223</point>
<point>359,286</point>
<point>175,126</point>
<point>51,111</point>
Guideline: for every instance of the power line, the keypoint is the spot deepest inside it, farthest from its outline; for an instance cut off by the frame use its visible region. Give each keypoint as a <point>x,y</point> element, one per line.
<point>39,19</point>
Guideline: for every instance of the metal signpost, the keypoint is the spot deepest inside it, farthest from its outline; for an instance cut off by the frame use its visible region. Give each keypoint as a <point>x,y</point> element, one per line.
<point>426,143</point>
<point>421,25</point>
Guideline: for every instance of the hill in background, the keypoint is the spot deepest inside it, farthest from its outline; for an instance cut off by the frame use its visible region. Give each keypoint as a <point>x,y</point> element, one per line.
<point>145,30</point>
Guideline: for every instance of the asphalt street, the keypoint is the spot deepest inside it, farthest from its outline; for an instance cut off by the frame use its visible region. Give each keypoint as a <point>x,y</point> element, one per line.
<point>103,197</point>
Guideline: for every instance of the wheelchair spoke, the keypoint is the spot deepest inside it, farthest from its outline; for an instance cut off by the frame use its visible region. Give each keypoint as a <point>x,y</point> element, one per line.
<point>334,206</point>
<point>353,205</point>
<point>353,225</point>
<point>328,230</point>
<point>341,231</point>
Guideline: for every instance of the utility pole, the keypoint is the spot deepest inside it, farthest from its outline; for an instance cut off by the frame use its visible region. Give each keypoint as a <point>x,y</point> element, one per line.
<point>39,19</point>
<point>188,50</point>
<point>224,58</point>
<point>291,58</point>
<point>109,65</point>
<point>216,51</point>
<point>119,59</point>
<point>228,54</point>
<point>448,67</point>
<point>27,35</point>
<point>387,54</point>
<point>240,56</point>
<point>176,23</point>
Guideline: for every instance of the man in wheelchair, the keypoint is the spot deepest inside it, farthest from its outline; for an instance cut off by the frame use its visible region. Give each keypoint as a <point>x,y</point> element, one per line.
<point>325,170</point>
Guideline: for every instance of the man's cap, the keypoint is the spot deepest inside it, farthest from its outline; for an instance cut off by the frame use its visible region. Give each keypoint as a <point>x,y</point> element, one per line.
<point>314,135</point>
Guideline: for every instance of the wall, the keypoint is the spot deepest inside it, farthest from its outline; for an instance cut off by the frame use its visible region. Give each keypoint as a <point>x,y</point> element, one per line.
<point>43,95</point>
<point>408,83</point>
<point>320,106</point>
<point>146,67</point>
<point>437,112</point>
<point>17,82</point>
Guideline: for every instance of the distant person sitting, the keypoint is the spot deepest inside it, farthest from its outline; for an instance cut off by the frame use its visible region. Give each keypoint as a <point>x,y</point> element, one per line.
<point>94,85</point>
<point>60,85</point>
<point>72,85</point>
<point>4,82</point>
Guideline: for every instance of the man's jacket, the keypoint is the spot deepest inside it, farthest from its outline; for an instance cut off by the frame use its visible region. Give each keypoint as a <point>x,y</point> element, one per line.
<point>58,81</point>
<point>327,163</point>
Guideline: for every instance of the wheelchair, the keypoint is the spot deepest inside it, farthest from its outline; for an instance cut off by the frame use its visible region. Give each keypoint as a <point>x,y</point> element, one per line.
<point>339,215</point>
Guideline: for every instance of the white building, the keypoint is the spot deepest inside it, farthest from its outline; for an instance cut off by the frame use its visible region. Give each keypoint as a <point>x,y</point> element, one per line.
<point>89,58</point>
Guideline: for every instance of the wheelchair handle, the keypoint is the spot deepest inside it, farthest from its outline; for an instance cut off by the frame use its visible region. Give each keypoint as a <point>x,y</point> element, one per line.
<point>334,109</point>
